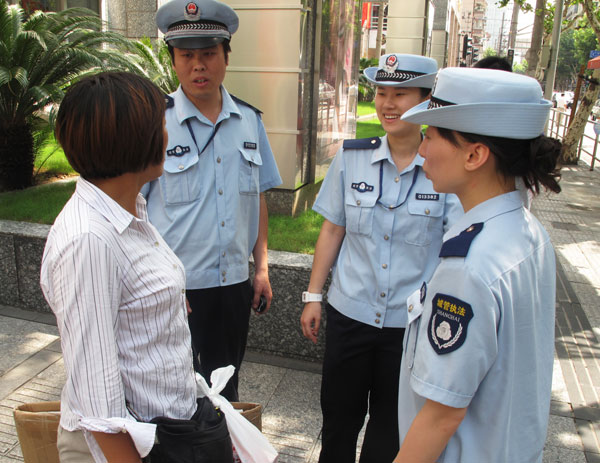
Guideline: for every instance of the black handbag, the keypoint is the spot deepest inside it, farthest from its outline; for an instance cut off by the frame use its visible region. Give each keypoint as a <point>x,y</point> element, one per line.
<point>204,438</point>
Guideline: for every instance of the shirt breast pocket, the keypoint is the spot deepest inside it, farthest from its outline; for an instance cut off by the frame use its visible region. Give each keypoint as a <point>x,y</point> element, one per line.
<point>423,217</point>
<point>415,310</point>
<point>359,213</point>
<point>249,180</point>
<point>180,181</point>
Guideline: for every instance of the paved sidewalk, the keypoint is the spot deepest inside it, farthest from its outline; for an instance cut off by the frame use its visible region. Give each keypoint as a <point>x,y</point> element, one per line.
<point>31,367</point>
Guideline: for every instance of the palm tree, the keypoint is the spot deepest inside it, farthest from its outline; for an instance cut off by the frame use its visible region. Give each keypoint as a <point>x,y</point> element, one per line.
<point>154,62</point>
<point>39,56</point>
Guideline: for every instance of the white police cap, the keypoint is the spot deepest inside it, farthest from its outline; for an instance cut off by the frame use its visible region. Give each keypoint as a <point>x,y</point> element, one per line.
<point>196,23</point>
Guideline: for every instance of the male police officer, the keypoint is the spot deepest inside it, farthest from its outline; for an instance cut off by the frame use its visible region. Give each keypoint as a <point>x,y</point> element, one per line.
<point>209,204</point>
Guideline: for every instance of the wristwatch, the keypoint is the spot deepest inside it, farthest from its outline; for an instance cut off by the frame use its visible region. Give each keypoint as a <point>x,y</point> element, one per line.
<point>311,297</point>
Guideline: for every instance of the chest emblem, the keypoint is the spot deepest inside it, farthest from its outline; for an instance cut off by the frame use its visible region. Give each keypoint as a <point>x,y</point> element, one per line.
<point>178,151</point>
<point>447,329</point>
<point>362,187</point>
<point>427,196</point>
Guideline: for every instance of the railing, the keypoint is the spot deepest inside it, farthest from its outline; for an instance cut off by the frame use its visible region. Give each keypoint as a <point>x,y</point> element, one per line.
<point>588,144</point>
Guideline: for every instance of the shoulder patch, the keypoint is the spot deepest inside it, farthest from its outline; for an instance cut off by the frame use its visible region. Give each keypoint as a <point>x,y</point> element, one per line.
<point>459,245</point>
<point>362,143</point>
<point>447,328</point>
<point>242,102</point>
<point>169,101</point>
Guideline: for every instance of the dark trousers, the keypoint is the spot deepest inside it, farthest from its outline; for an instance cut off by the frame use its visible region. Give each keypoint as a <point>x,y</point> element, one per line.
<point>361,370</point>
<point>219,325</point>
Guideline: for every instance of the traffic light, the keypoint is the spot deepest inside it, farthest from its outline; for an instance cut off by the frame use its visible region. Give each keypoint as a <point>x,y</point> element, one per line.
<point>475,54</point>
<point>467,45</point>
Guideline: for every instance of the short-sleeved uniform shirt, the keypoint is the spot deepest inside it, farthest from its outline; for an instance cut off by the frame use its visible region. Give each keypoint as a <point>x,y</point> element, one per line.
<point>206,205</point>
<point>386,253</point>
<point>481,335</point>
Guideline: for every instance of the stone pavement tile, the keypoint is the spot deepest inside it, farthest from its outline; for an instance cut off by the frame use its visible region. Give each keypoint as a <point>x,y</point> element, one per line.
<point>26,370</point>
<point>258,382</point>
<point>561,455</point>
<point>297,448</point>
<point>54,376</point>
<point>19,339</point>
<point>562,433</point>
<point>294,409</point>
<point>559,388</point>
<point>10,459</point>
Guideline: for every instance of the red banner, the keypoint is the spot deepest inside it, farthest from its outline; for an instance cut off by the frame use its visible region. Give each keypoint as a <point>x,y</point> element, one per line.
<point>366,15</point>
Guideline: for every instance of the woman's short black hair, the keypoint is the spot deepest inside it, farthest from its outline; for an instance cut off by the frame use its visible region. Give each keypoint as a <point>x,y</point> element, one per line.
<point>112,123</point>
<point>534,160</point>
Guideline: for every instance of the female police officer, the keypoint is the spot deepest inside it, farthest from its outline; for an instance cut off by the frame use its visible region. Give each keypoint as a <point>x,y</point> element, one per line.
<point>383,229</point>
<point>477,365</point>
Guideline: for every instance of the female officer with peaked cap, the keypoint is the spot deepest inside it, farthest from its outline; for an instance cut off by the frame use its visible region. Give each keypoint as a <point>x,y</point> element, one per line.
<point>476,371</point>
<point>383,229</point>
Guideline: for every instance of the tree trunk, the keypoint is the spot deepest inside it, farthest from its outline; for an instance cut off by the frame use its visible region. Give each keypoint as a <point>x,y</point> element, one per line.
<point>577,128</point>
<point>16,157</point>
<point>533,54</point>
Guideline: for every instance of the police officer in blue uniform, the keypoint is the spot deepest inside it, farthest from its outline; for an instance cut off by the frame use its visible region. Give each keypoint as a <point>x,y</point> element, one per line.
<point>476,371</point>
<point>382,234</point>
<point>209,204</point>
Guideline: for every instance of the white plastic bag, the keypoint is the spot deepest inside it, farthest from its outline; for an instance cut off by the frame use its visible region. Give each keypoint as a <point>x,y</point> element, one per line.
<point>250,444</point>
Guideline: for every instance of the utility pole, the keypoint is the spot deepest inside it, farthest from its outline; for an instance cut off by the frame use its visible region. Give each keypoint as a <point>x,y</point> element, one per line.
<point>558,13</point>
<point>512,37</point>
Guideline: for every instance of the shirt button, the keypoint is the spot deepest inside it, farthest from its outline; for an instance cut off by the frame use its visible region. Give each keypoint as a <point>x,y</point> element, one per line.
<point>218,160</point>
<point>175,266</point>
<point>180,166</point>
<point>427,211</point>
<point>222,224</point>
<point>384,266</point>
<point>156,244</point>
<point>373,141</point>
<point>382,294</point>
<point>224,279</point>
<point>183,291</point>
<point>378,314</point>
<point>223,253</point>
<point>377,321</point>
<point>397,179</point>
<point>223,273</point>
<point>358,202</point>
<point>220,191</point>
<point>386,237</point>
<point>410,308</point>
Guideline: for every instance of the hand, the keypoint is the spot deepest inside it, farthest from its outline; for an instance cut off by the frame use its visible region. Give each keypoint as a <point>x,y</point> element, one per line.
<point>262,287</point>
<point>188,306</point>
<point>311,320</point>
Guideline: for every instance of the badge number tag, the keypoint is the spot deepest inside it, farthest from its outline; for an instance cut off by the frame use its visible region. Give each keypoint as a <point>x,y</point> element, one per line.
<point>450,318</point>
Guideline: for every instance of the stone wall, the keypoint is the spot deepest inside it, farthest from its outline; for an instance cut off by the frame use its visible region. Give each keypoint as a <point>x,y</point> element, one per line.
<point>278,332</point>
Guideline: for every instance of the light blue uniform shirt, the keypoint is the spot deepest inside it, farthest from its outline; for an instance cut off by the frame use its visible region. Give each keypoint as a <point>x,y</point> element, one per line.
<point>498,364</point>
<point>385,254</point>
<point>206,206</point>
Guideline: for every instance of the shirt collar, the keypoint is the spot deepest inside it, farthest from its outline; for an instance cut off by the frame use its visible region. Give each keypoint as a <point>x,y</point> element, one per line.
<point>108,207</point>
<point>383,152</point>
<point>185,109</point>
<point>485,211</point>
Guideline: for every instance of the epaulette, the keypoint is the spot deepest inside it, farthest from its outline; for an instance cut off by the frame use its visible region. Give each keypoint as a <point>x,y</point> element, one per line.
<point>459,245</point>
<point>362,143</point>
<point>169,101</point>
<point>237,100</point>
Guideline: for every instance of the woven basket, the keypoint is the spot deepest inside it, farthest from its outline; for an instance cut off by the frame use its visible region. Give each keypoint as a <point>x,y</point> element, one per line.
<point>251,411</point>
<point>37,427</point>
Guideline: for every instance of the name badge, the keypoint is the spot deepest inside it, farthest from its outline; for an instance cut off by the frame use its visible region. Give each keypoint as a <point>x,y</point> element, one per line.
<point>249,145</point>
<point>178,151</point>
<point>427,196</point>
<point>362,187</point>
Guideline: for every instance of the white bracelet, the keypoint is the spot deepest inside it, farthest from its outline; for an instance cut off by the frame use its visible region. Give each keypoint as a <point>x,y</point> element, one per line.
<point>311,297</point>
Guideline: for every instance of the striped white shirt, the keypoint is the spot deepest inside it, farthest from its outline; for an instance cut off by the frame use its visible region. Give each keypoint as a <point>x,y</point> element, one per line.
<point>118,292</point>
